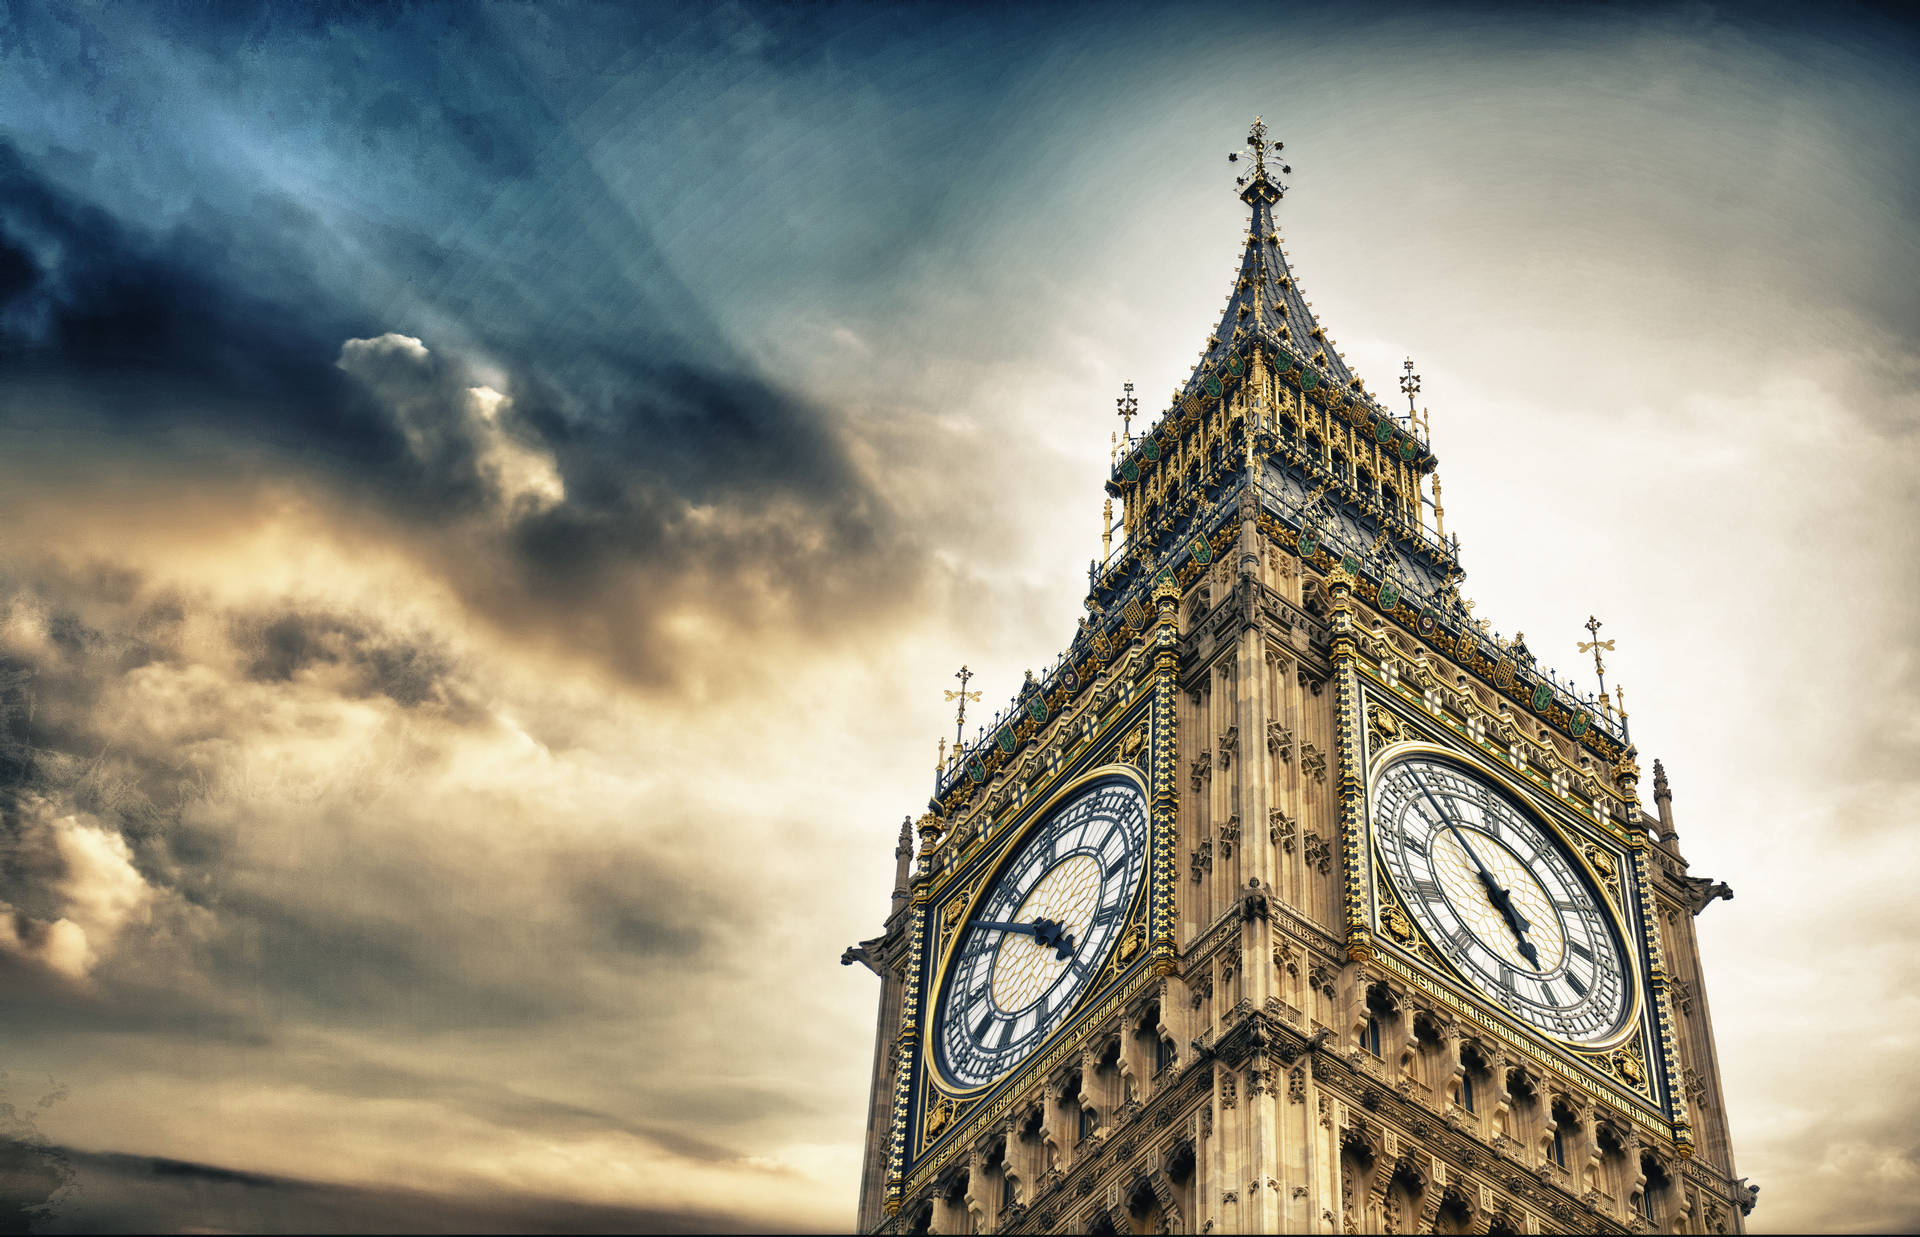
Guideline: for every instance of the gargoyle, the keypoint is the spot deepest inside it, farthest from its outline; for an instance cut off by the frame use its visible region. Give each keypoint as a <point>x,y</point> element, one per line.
<point>1703,890</point>
<point>866,953</point>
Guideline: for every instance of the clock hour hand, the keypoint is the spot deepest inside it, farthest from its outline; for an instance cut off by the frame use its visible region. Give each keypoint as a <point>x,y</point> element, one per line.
<point>1046,931</point>
<point>1502,899</point>
<point>1503,902</point>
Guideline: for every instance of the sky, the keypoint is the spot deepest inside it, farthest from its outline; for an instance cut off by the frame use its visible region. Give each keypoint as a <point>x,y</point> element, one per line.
<point>491,498</point>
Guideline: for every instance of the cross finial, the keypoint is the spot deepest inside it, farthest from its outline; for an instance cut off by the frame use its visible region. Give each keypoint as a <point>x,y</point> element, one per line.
<point>1409,385</point>
<point>1599,667</point>
<point>1128,407</point>
<point>1258,147</point>
<point>963,695</point>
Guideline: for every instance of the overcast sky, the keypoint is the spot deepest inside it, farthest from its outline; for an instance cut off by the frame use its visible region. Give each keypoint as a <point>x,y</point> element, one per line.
<point>490,500</point>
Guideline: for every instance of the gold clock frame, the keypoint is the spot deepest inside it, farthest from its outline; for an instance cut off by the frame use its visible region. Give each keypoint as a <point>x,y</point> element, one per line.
<point>1010,846</point>
<point>1632,1023</point>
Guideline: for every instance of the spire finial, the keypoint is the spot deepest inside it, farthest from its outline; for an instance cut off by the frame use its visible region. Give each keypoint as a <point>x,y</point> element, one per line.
<point>1599,667</point>
<point>1128,408</point>
<point>1409,386</point>
<point>963,695</point>
<point>1258,147</point>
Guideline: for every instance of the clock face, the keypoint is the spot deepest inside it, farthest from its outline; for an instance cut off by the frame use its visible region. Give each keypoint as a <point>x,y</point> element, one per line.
<point>1498,896</point>
<point>1040,932</point>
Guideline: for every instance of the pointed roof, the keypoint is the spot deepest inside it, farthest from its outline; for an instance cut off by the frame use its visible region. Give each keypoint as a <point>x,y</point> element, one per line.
<point>1266,302</point>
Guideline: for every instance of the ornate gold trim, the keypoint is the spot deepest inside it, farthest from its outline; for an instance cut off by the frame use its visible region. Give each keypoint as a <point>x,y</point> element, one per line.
<point>970,898</point>
<point>1631,1023</point>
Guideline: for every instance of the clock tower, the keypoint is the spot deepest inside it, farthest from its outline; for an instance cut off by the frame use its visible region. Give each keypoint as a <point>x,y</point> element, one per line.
<point>1292,898</point>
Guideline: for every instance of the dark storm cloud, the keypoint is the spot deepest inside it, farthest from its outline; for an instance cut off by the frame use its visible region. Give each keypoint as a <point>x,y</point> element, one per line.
<point>379,941</point>
<point>168,338</point>
<point>166,331</point>
<point>114,1193</point>
<point>213,328</point>
<point>409,672</point>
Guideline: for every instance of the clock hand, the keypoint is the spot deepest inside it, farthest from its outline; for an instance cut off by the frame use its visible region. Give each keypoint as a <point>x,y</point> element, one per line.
<point>1046,931</point>
<point>1501,898</point>
<point>1053,933</point>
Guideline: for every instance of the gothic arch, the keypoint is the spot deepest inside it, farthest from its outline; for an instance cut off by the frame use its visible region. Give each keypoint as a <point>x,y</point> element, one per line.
<point>1397,1195</point>
<point>1504,1221</point>
<point>1359,1165</point>
<point>1452,1210</point>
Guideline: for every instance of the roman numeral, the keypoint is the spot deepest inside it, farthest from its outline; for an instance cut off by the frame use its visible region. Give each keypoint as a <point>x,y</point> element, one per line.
<point>1006,1033</point>
<point>1580,949</point>
<point>1118,865</point>
<point>1106,913</point>
<point>1426,890</point>
<point>1579,989</point>
<point>980,1029</point>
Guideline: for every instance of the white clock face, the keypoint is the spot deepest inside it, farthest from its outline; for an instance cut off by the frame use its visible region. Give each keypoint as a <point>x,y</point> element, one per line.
<point>1041,932</point>
<point>1500,899</point>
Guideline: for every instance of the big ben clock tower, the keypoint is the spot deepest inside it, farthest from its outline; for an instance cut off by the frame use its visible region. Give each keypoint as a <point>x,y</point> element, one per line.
<point>1292,899</point>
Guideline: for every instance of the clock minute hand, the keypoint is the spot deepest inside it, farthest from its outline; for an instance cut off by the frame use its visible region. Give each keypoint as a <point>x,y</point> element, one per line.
<point>1046,931</point>
<point>1502,900</point>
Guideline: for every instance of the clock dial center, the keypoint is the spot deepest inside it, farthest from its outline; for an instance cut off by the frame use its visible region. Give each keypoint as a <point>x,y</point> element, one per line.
<point>1460,882</point>
<point>1026,967</point>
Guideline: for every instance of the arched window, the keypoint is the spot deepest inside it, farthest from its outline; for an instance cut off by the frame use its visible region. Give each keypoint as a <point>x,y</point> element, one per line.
<point>1453,1216</point>
<point>1558,1148</point>
<point>1370,1036</point>
<point>1614,1177</point>
<point>1009,1193</point>
<point>1468,1100</point>
<point>1163,1055</point>
<point>1658,1183</point>
<point>1089,1122</point>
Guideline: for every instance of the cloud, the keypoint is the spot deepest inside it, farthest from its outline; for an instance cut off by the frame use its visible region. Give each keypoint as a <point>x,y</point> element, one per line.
<point>453,427</point>
<point>95,1193</point>
<point>373,860</point>
<point>92,883</point>
<point>642,480</point>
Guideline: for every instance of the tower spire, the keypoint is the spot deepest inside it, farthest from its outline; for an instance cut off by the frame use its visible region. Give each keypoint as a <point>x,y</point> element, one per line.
<point>1266,303</point>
